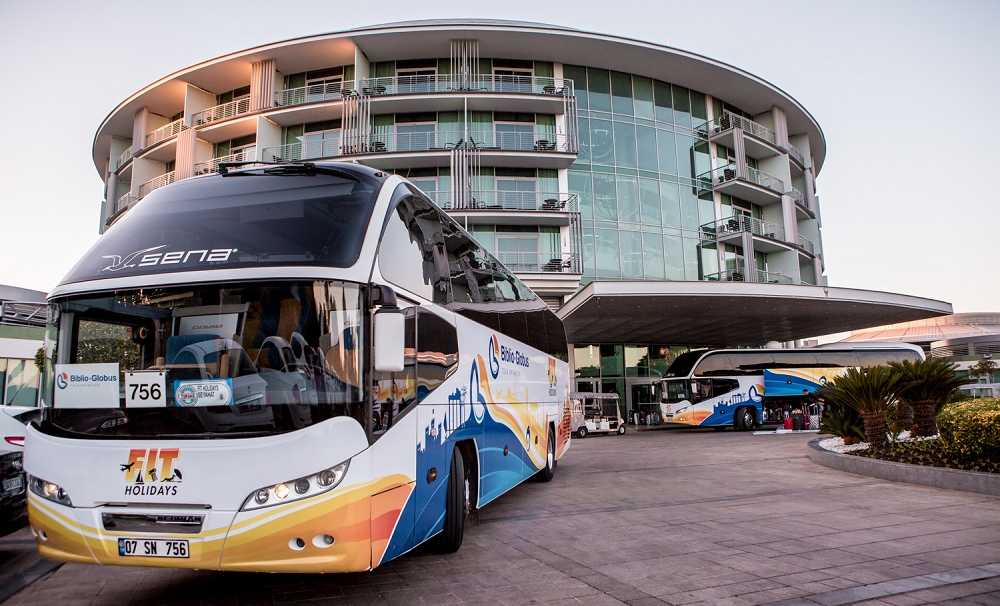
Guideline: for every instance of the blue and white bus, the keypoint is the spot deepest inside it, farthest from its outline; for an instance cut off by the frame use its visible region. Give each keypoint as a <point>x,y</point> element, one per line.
<point>294,368</point>
<point>747,388</point>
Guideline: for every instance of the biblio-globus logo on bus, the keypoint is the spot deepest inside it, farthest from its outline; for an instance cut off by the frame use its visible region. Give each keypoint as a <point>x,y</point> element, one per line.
<point>501,353</point>
<point>152,472</point>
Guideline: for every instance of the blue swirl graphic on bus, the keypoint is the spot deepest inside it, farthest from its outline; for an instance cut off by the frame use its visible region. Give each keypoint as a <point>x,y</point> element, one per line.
<point>494,356</point>
<point>753,395</point>
<point>476,394</point>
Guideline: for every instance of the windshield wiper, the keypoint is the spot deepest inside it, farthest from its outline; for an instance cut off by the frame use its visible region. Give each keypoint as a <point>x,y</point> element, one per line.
<point>280,169</point>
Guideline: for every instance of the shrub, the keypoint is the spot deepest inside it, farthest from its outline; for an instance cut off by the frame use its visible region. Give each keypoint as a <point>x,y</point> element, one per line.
<point>971,429</point>
<point>925,385</point>
<point>869,391</point>
<point>841,421</point>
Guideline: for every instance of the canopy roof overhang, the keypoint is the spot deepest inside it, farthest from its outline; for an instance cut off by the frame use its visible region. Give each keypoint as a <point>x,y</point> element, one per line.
<point>719,314</point>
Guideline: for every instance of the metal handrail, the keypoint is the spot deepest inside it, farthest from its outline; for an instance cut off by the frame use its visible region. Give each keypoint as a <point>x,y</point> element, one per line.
<point>124,201</point>
<point>124,158</point>
<point>309,150</point>
<point>725,174</point>
<point>729,120</point>
<point>390,140</point>
<point>156,183</point>
<point>165,132</point>
<point>223,111</point>
<point>756,275</point>
<point>212,166</point>
<point>452,83</point>
<point>796,154</point>
<point>496,199</point>
<point>797,196</point>
<point>528,262</point>
<point>32,313</point>
<point>740,224</point>
<point>310,93</point>
<point>807,244</point>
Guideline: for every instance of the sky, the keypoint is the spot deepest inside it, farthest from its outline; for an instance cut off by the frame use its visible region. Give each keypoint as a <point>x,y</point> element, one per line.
<point>903,90</point>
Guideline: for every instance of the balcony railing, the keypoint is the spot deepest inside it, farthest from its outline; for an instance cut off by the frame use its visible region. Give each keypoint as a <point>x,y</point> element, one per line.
<point>308,150</point>
<point>796,154</point>
<point>29,313</point>
<point>212,166</point>
<point>726,174</point>
<point>797,196</point>
<point>225,111</point>
<point>755,275</point>
<point>165,132</point>
<point>124,158</point>
<point>124,201</point>
<point>733,225</point>
<point>729,120</point>
<point>807,245</point>
<point>156,183</point>
<point>495,199</point>
<point>529,262</point>
<point>449,83</point>
<point>311,93</point>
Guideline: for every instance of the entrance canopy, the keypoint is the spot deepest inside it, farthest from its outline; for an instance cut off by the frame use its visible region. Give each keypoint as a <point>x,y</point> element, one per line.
<point>730,313</point>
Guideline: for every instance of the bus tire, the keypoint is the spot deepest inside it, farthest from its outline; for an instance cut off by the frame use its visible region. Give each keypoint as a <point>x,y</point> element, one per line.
<point>747,418</point>
<point>549,471</point>
<point>581,432</point>
<point>456,507</point>
<point>738,419</point>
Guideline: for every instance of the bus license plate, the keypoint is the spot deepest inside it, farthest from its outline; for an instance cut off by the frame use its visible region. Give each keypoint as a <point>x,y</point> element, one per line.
<point>153,548</point>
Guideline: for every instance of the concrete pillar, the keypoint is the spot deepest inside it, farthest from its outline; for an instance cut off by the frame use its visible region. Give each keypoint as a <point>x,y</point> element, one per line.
<point>184,160</point>
<point>196,100</point>
<point>780,127</point>
<point>788,219</point>
<point>362,68</point>
<point>268,135</point>
<point>749,262</point>
<point>262,82</point>
<point>739,150</point>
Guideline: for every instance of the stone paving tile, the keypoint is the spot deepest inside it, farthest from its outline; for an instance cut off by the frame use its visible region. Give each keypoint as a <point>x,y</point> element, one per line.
<point>648,518</point>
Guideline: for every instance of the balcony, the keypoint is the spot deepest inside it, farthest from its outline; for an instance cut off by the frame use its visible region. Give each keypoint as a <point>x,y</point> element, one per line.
<point>26,313</point>
<point>528,94</point>
<point>754,275</point>
<point>755,185</point>
<point>123,158</point>
<point>509,207</point>
<point>164,132</point>
<point>212,166</point>
<point>795,154</point>
<point>807,245</point>
<point>155,183</point>
<point>312,93</point>
<point>761,143</point>
<point>723,229</point>
<point>225,111</point>
<point>528,262</point>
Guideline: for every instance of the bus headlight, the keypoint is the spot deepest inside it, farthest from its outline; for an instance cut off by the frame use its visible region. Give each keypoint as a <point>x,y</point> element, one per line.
<point>299,488</point>
<point>49,490</point>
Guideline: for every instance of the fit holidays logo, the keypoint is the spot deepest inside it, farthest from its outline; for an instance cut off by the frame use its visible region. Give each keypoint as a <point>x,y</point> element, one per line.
<point>152,472</point>
<point>154,256</point>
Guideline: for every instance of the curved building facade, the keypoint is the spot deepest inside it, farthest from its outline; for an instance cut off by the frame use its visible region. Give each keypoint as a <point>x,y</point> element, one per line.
<point>581,160</point>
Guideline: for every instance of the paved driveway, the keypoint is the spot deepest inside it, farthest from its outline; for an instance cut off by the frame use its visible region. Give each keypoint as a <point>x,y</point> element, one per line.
<point>671,517</point>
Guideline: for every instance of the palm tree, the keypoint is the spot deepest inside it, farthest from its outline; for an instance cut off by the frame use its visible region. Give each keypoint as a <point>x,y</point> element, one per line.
<point>871,392</point>
<point>926,385</point>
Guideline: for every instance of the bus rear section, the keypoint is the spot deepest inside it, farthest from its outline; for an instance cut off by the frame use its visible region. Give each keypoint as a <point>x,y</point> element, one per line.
<point>248,391</point>
<point>747,389</point>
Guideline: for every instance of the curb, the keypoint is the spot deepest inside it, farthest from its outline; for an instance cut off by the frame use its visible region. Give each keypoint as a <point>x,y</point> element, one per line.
<point>938,477</point>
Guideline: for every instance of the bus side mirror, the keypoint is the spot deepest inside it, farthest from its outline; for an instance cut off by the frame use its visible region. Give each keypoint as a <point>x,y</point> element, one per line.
<point>389,339</point>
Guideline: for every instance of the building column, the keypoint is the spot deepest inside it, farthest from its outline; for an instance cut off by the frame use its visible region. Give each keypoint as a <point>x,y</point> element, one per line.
<point>196,100</point>
<point>789,222</point>
<point>262,84</point>
<point>749,258</point>
<point>739,150</point>
<point>268,135</point>
<point>780,127</point>
<point>184,160</point>
<point>362,68</point>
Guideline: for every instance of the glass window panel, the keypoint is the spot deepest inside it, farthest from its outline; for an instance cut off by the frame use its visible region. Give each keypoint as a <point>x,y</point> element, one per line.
<point>607,254</point>
<point>706,208</point>
<point>580,184</point>
<point>646,147</point>
<point>612,361</point>
<point>625,145</point>
<point>659,359</point>
<point>601,142</point>
<point>643,92</point>
<point>628,200</point>
<point>22,383</point>
<point>673,253</point>
<point>670,203</point>
<point>636,361</point>
<point>682,106</point>
<point>583,135</point>
<point>587,360</point>
<point>652,256</point>
<point>699,112</point>
<point>649,199</point>
<point>588,256</point>
<point>690,213</point>
<point>702,158</point>
<point>666,151</point>
<point>631,242</point>
<point>621,90</point>
<point>685,159</point>
<point>664,106</point>
<point>605,201</point>
<point>578,74</point>
<point>691,254</point>
<point>709,261</point>
<point>599,85</point>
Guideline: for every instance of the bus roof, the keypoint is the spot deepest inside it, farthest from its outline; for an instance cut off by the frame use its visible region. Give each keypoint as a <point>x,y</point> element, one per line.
<point>691,363</point>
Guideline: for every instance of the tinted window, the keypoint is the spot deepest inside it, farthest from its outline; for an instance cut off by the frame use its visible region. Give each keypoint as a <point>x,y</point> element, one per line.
<point>396,392</point>
<point>437,353</point>
<point>239,221</point>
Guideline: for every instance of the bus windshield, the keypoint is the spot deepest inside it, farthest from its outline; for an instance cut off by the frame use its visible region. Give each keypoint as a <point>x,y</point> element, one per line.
<point>204,361</point>
<point>676,390</point>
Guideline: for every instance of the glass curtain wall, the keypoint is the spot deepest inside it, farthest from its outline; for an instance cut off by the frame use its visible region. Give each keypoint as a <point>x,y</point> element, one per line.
<point>635,177</point>
<point>608,367</point>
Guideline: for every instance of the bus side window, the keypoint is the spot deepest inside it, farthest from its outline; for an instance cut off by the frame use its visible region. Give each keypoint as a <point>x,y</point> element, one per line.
<point>394,393</point>
<point>412,252</point>
<point>724,386</point>
<point>437,353</point>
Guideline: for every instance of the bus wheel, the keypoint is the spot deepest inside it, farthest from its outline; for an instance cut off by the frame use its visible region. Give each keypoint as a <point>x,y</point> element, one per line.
<point>456,507</point>
<point>748,419</point>
<point>582,432</point>
<point>549,471</point>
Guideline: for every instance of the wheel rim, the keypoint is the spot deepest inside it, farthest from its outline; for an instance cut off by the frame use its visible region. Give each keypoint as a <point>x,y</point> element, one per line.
<point>468,500</point>
<point>551,455</point>
<point>748,420</point>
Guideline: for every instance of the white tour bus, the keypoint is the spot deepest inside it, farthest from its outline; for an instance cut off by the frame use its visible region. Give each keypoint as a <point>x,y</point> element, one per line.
<point>746,388</point>
<point>294,368</point>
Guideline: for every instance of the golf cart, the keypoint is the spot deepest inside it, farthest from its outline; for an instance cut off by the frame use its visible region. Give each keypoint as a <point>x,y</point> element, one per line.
<point>596,413</point>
